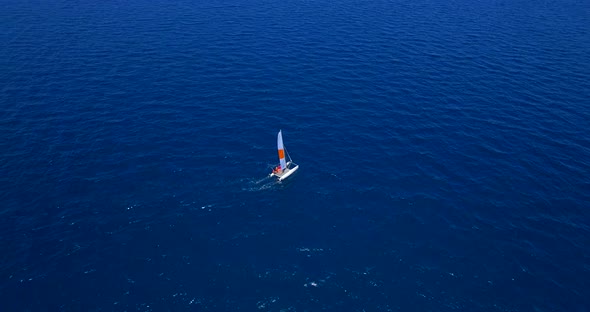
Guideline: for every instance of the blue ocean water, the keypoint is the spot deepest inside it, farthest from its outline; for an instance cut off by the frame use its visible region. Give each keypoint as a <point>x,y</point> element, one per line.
<point>443,151</point>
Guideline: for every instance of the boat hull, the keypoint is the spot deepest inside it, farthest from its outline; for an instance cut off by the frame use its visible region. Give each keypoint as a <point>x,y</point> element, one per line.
<point>287,172</point>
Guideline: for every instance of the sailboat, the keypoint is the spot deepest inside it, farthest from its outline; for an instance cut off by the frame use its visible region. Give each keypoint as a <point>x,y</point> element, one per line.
<point>285,168</point>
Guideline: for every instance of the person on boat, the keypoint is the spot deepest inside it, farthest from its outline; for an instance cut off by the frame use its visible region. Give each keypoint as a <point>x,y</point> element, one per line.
<point>277,169</point>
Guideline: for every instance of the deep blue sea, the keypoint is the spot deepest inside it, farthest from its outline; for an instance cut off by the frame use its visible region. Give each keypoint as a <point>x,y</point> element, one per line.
<point>443,147</point>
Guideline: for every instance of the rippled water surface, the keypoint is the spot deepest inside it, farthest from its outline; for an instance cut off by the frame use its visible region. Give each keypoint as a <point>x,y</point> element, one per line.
<point>443,149</point>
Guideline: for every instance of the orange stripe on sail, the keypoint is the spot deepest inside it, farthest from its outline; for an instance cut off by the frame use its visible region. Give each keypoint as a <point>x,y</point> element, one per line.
<point>281,154</point>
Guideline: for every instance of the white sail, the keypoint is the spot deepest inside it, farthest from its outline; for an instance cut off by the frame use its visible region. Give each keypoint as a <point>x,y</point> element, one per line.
<point>281,151</point>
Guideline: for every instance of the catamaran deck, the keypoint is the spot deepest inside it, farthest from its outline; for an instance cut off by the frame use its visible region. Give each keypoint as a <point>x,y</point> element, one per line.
<point>291,168</point>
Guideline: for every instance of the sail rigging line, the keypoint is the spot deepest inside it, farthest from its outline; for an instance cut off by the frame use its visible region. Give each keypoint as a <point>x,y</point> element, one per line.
<point>287,152</point>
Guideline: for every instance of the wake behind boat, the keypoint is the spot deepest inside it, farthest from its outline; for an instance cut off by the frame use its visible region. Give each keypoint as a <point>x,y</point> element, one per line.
<point>285,168</point>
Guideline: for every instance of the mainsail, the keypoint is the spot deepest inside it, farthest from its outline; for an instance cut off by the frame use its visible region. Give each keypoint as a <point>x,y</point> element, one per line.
<point>281,151</point>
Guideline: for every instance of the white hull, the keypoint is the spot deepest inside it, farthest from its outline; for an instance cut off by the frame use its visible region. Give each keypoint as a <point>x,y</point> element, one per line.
<point>287,172</point>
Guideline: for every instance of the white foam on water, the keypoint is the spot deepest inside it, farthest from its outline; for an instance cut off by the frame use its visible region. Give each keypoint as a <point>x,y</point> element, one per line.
<point>257,184</point>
